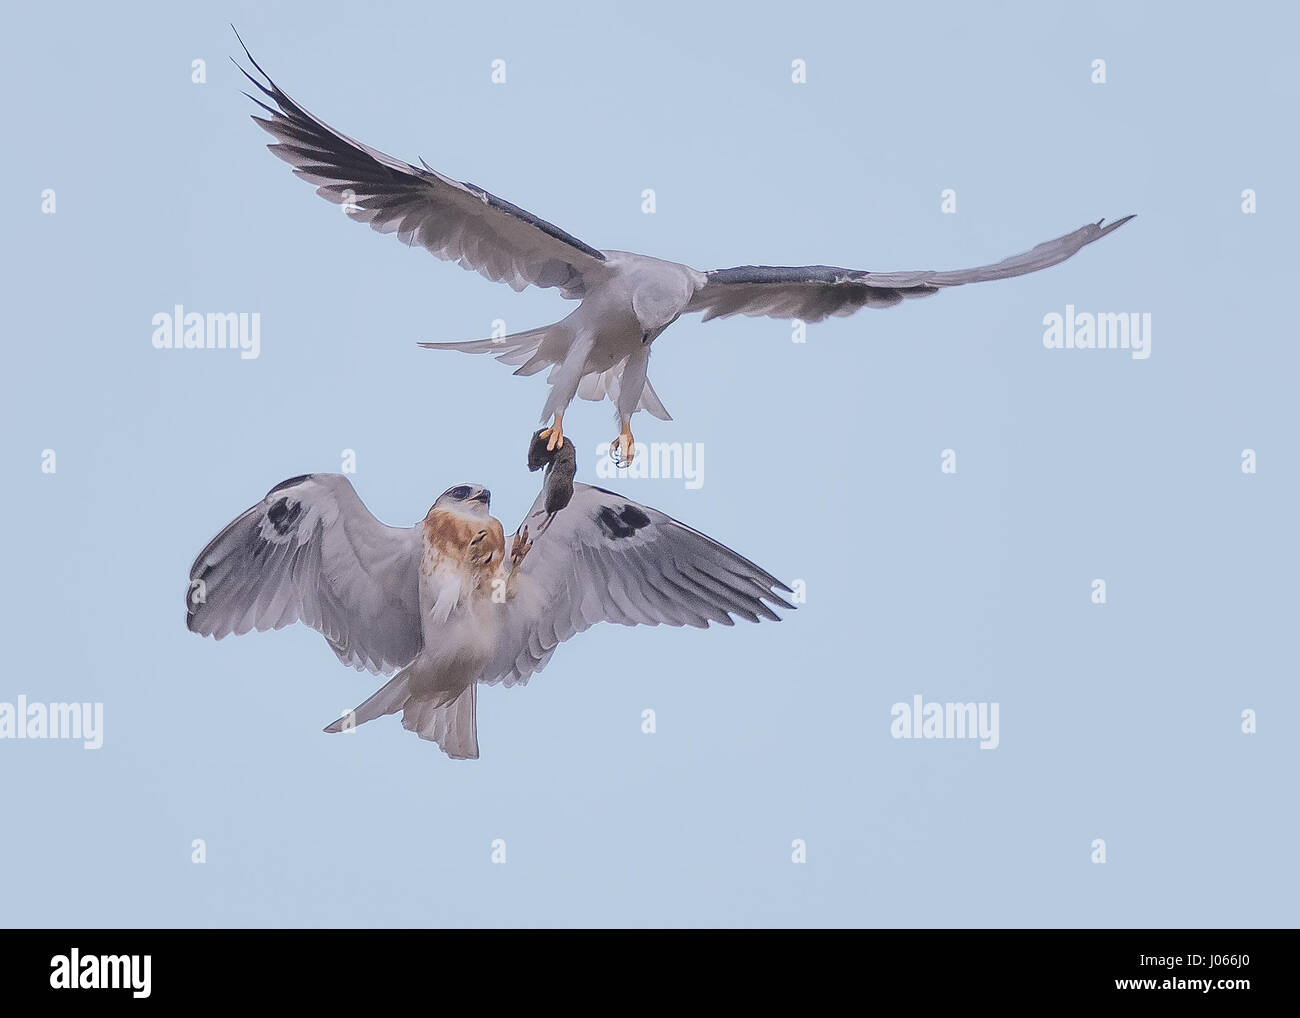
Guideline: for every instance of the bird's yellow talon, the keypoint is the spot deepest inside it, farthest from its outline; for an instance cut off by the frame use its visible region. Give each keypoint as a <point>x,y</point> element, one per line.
<point>623,449</point>
<point>554,435</point>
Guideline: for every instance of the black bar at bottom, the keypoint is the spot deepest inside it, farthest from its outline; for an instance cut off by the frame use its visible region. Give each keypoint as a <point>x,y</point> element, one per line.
<point>147,968</point>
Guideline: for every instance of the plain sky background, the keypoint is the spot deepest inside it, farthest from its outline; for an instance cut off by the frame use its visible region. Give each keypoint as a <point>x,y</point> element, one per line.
<point>1120,722</point>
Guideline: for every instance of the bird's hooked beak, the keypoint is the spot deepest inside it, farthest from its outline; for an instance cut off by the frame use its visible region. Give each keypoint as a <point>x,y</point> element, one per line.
<point>483,496</point>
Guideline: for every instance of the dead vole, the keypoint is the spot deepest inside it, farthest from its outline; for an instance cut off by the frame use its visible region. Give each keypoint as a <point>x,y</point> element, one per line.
<point>561,465</point>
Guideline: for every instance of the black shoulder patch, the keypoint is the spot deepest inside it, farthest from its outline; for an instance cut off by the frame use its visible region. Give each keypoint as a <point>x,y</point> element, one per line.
<point>621,522</point>
<point>634,517</point>
<point>283,516</point>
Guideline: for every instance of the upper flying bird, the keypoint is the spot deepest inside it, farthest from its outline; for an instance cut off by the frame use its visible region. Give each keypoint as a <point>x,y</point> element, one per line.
<point>452,602</point>
<point>602,349</point>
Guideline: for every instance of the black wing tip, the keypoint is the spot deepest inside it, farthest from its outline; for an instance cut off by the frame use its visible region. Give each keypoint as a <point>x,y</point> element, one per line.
<point>270,93</point>
<point>759,609</point>
<point>1115,225</point>
<point>267,125</point>
<point>270,89</point>
<point>244,47</point>
<point>778,600</point>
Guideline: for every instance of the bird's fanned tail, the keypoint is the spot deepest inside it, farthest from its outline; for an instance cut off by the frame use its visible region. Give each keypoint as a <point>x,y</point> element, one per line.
<point>447,720</point>
<point>451,724</point>
<point>605,385</point>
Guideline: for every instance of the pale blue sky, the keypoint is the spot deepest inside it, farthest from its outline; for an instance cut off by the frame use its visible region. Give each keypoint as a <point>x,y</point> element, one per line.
<point>1119,721</point>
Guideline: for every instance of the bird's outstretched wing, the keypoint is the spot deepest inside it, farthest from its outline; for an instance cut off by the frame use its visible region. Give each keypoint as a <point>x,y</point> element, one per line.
<point>604,558</point>
<point>815,292</point>
<point>456,221</point>
<point>311,552</point>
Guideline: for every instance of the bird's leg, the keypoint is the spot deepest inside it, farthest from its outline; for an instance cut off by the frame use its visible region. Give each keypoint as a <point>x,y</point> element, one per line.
<point>631,387</point>
<point>522,545</point>
<point>518,549</point>
<point>476,546</point>
<point>623,448</point>
<point>554,435</point>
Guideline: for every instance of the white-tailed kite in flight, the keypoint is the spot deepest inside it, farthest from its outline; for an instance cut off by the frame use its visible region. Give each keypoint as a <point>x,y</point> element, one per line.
<point>602,349</point>
<point>452,602</point>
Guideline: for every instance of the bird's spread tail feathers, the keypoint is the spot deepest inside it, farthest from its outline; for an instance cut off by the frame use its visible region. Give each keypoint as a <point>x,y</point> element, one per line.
<point>606,385</point>
<point>445,719</point>
<point>449,723</point>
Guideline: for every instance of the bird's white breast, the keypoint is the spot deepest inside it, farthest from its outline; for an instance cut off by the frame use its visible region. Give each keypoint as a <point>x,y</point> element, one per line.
<point>460,619</point>
<point>642,296</point>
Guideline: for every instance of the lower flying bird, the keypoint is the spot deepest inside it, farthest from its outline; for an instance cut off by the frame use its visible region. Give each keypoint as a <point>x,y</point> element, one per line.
<point>602,349</point>
<point>452,602</point>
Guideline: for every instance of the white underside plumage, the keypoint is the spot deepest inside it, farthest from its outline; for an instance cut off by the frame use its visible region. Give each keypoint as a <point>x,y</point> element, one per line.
<point>601,350</point>
<point>388,600</point>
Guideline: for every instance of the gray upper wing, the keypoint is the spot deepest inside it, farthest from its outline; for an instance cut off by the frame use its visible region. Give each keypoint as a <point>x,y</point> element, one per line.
<point>454,220</point>
<point>605,558</point>
<point>311,552</point>
<point>816,292</point>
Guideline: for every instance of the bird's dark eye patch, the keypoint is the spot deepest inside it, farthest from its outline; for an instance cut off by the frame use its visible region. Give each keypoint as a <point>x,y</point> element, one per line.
<point>459,493</point>
<point>622,522</point>
<point>283,515</point>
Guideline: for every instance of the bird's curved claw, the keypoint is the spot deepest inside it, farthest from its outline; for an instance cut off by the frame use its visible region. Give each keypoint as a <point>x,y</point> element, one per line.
<point>521,547</point>
<point>623,449</point>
